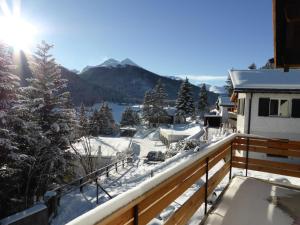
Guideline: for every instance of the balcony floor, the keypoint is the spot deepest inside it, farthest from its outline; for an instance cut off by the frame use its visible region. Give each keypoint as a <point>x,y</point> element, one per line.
<point>249,201</point>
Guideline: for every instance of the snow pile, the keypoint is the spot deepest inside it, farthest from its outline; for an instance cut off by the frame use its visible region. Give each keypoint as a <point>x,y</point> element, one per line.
<point>104,146</point>
<point>179,132</point>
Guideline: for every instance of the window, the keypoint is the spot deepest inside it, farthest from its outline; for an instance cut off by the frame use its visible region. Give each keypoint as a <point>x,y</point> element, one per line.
<point>274,107</point>
<point>263,107</point>
<point>296,108</point>
<point>241,106</point>
<point>284,108</point>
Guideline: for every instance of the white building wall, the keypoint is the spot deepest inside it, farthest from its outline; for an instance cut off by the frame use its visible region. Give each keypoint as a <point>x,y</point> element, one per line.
<point>275,127</point>
<point>270,127</point>
<point>241,126</point>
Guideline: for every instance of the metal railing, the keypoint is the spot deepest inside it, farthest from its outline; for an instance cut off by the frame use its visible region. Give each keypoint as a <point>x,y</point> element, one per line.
<point>146,201</point>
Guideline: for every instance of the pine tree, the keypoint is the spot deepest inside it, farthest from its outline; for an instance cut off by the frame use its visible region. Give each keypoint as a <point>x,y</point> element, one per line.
<point>50,107</point>
<point>129,117</point>
<point>252,66</point>
<point>83,122</point>
<point>94,127</point>
<point>102,122</point>
<point>184,103</point>
<point>9,147</point>
<point>269,64</point>
<point>229,86</point>
<point>159,102</point>
<point>159,95</point>
<point>147,105</point>
<point>21,144</point>
<point>203,103</point>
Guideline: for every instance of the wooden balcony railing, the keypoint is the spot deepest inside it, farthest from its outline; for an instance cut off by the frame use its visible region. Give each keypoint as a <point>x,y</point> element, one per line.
<point>144,202</point>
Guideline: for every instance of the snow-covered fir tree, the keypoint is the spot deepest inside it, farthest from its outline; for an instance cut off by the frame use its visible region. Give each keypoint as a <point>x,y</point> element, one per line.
<point>154,103</point>
<point>83,122</point>
<point>102,122</point>
<point>184,102</point>
<point>9,148</point>
<point>129,117</point>
<point>51,110</point>
<point>147,105</point>
<point>22,145</point>
<point>252,66</point>
<point>159,102</point>
<point>94,126</point>
<point>203,101</point>
<point>229,86</point>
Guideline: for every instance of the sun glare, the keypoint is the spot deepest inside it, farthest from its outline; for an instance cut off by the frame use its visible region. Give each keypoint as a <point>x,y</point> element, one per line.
<point>17,32</point>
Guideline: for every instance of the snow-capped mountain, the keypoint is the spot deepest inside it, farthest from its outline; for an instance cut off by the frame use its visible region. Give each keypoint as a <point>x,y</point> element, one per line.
<point>217,89</point>
<point>175,78</point>
<point>129,62</point>
<point>214,89</point>
<point>112,63</point>
<point>109,63</point>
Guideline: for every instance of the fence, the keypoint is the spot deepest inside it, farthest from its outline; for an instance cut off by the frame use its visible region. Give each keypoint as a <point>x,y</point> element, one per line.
<point>143,203</point>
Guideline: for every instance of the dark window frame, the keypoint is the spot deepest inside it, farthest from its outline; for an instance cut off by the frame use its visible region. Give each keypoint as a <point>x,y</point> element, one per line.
<point>241,106</point>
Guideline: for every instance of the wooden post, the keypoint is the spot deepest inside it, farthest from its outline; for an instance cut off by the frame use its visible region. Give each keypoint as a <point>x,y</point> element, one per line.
<point>206,185</point>
<point>230,171</point>
<point>247,156</point>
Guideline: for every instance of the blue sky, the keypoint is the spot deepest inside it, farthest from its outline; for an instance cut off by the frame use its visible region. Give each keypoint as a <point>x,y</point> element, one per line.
<point>198,38</point>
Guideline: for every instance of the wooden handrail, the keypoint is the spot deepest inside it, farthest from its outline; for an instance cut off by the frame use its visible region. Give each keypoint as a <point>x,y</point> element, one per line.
<point>144,202</point>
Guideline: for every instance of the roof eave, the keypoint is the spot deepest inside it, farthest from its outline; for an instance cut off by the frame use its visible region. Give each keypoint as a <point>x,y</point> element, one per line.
<point>266,90</point>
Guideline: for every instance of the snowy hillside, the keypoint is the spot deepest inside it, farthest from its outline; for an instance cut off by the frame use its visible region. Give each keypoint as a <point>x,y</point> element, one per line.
<point>112,63</point>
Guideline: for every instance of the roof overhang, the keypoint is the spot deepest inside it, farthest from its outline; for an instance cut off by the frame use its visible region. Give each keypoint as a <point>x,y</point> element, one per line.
<point>286,27</point>
<point>275,91</point>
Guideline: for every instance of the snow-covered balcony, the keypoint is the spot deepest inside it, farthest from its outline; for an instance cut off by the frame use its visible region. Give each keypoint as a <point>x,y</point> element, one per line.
<point>213,172</point>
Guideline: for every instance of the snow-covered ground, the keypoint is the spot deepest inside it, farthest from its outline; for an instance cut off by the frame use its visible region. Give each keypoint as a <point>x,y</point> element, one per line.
<point>109,146</point>
<point>76,203</point>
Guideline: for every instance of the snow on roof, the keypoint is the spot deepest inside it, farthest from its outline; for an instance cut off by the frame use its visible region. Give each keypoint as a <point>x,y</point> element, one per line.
<point>170,110</point>
<point>275,79</point>
<point>109,145</point>
<point>225,101</point>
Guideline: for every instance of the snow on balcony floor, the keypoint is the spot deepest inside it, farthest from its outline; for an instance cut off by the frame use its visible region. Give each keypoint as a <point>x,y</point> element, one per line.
<point>252,201</point>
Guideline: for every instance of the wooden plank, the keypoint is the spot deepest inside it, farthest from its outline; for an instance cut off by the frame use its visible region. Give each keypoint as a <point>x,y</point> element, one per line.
<point>267,169</point>
<point>272,143</point>
<point>125,218</point>
<point>168,183</point>
<point>217,158</point>
<point>218,177</point>
<point>283,152</point>
<point>159,192</point>
<point>269,163</point>
<point>157,206</point>
<point>185,212</point>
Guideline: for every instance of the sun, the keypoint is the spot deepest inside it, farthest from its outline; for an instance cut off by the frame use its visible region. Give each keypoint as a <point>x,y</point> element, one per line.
<point>17,32</point>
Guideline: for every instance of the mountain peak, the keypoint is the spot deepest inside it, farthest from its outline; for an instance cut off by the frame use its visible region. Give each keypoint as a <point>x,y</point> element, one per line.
<point>128,61</point>
<point>110,63</point>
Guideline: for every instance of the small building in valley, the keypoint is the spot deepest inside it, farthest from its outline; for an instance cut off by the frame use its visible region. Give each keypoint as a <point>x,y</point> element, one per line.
<point>224,105</point>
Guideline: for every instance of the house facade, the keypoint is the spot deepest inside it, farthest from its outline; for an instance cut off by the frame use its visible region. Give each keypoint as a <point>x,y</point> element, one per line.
<point>268,102</point>
<point>224,105</point>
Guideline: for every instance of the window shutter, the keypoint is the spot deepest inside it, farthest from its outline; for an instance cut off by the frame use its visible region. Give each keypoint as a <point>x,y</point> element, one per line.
<point>263,107</point>
<point>296,108</point>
